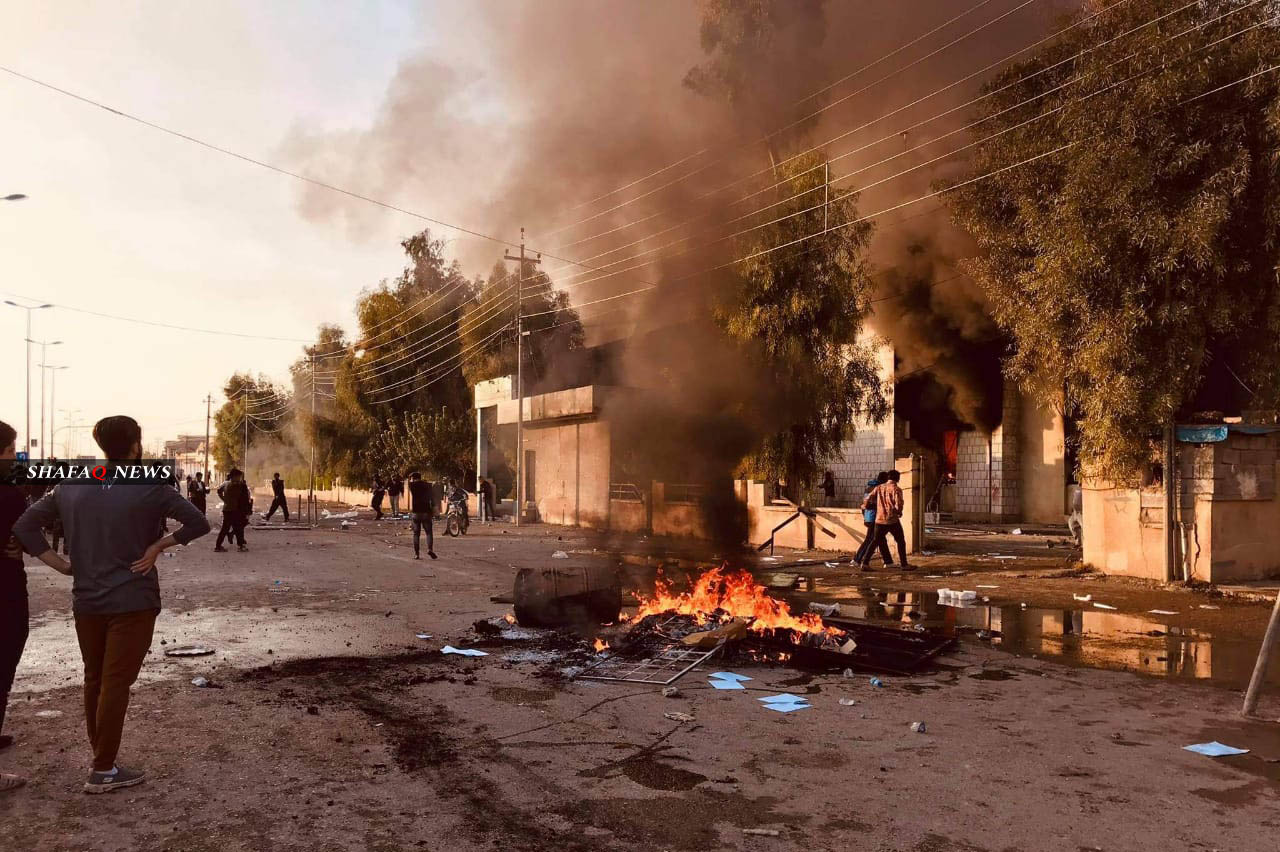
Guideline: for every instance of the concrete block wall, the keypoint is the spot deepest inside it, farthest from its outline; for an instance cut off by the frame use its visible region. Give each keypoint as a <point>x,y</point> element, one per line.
<point>1006,468</point>
<point>972,481</point>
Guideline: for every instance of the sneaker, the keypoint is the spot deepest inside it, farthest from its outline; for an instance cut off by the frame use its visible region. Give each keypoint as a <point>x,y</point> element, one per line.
<point>105,782</point>
<point>219,549</point>
<point>906,567</point>
<point>432,554</point>
<point>866,568</point>
<point>243,549</point>
<point>417,556</point>
<point>11,782</point>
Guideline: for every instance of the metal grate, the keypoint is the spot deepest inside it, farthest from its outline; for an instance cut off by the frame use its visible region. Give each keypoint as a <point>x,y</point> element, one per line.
<point>625,491</point>
<point>668,665</point>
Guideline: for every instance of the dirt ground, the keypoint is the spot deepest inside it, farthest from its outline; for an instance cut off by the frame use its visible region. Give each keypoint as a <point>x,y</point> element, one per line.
<point>332,726</point>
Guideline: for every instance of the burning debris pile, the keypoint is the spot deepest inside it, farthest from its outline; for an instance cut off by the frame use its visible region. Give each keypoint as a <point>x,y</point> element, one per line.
<point>729,613</point>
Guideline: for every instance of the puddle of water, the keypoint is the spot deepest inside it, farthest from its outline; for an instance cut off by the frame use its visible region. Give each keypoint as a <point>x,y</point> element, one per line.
<point>648,770</point>
<point>1090,637</point>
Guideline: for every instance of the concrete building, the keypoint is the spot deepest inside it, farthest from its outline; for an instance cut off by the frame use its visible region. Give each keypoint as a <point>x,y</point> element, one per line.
<point>1227,511</point>
<point>187,451</point>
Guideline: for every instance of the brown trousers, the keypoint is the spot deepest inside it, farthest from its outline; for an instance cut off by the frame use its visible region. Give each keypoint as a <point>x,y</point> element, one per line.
<point>113,648</point>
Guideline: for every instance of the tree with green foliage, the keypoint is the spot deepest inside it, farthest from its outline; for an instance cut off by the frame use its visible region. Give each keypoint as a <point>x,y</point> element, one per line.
<point>796,302</point>
<point>1125,198</point>
<point>269,410</point>
<point>438,444</point>
<point>488,336</point>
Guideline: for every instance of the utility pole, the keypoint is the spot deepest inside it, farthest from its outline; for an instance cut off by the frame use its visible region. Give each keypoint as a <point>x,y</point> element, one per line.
<point>53,392</point>
<point>520,489</point>
<point>208,410</point>
<point>27,437</point>
<point>246,438</point>
<point>311,477</point>
<point>44,356</point>
<point>1170,510</point>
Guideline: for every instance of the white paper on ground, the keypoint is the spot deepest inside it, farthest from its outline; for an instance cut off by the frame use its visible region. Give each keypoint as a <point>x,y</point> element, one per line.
<point>729,676</point>
<point>788,707</point>
<point>1102,605</point>
<point>466,652</point>
<point>1214,749</point>
<point>1161,612</point>
<point>782,698</point>
<point>725,684</point>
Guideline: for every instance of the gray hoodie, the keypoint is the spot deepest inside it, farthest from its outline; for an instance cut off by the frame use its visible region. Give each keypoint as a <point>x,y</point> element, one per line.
<point>108,527</point>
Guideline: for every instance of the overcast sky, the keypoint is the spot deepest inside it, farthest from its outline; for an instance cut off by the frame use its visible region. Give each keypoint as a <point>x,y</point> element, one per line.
<point>124,220</point>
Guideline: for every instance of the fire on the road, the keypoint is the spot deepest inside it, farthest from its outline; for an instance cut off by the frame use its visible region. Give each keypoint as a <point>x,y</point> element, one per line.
<point>721,594</point>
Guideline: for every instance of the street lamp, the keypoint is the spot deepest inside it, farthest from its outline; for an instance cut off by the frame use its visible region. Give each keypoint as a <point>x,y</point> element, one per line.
<point>44,349</point>
<point>53,389</point>
<point>29,309</point>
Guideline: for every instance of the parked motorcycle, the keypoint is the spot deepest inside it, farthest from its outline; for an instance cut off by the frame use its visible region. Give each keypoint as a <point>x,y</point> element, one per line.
<point>455,518</point>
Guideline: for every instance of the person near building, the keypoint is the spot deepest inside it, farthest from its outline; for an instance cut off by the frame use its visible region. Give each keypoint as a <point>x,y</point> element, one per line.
<point>869,521</point>
<point>395,488</point>
<point>486,500</point>
<point>15,611</point>
<point>112,529</point>
<point>198,491</point>
<point>237,505</point>
<point>379,490</point>
<point>421,507</point>
<point>829,488</point>
<point>889,504</point>
<point>278,499</point>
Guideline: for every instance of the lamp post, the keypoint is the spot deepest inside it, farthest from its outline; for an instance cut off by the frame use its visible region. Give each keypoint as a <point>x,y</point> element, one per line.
<point>28,309</point>
<point>44,349</point>
<point>53,389</point>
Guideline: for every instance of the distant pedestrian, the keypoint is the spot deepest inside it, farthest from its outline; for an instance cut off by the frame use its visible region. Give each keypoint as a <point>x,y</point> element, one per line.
<point>421,505</point>
<point>237,505</point>
<point>486,500</point>
<point>395,488</point>
<point>889,504</point>
<point>15,611</point>
<point>198,492</point>
<point>869,521</point>
<point>379,490</point>
<point>829,488</point>
<point>115,592</point>
<point>278,500</point>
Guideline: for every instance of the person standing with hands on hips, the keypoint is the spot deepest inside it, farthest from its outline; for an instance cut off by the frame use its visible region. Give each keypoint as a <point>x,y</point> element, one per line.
<point>112,527</point>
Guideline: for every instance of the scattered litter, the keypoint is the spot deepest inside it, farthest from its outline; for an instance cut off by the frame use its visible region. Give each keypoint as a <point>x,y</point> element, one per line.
<point>919,727</point>
<point>1208,606</point>
<point>847,702</point>
<point>670,692</point>
<point>48,714</point>
<point>189,651</point>
<point>877,682</point>
<point>783,581</point>
<point>559,554</point>
<point>492,549</point>
<point>200,682</point>
<point>1161,612</point>
<point>725,684</point>
<point>423,635</point>
<point>1215,749</point>
<point>933,576</point>
<point>828,564</point>
<point>466,652</point>
<point>346,524</point>
<point>849,646</point>
<point>729,676</point>
<point>1102,605</point>
<point>339,515</point>
<point>1083,598</point>
<point>988,587</point>
<point>824,609</point>
<point>768,559</point>
<point>679,717</point>
<point>761,832</point>
<point>788,706</point>
<point>848,673</point>
<point>1017,531</point>
<point>782,698</point>
<point>997,556</point>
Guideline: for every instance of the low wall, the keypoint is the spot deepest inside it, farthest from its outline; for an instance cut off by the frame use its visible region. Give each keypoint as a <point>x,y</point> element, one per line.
<point>628,516</point>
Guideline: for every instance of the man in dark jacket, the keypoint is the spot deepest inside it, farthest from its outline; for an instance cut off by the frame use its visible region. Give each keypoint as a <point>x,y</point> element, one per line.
<point>197,491</point>
<point>112,527</point>
<point>278,500</point>
<point>395,488</point>
<point>422,505</point>
<point>237,503</point>
<point>14,611</point>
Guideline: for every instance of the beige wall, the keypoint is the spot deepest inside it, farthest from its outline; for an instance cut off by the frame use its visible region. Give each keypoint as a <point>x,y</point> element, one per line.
<point>571,472</point>
<point>1044,473</point>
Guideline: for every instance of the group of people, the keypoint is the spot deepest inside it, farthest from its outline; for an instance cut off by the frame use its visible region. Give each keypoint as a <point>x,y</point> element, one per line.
<point>393,489</point>
<point>882,516</point>
<point>113,532</point>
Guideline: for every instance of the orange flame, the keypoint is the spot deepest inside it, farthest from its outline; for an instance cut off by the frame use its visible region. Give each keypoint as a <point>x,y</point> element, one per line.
<point>601,645</point>
<point>738,595</point>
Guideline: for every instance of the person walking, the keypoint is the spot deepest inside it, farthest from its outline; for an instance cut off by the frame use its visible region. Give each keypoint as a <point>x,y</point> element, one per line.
<point>829,488</point>
<point>486,500</point>
<point>198,492</point>
<point>278,500</point>
<point>115,592</point>
<point>420,505</point>
<point>889,505</point>
<point>237,505</point>
<point>395,488</point>
<point>15,611</point>
<point>869,521</point>
<point>378,491</point>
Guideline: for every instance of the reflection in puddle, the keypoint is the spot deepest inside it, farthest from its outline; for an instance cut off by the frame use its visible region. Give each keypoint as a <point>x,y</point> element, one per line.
<point>1094,638</point>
